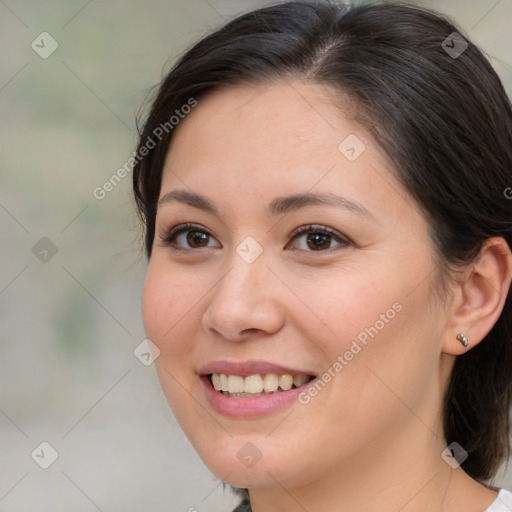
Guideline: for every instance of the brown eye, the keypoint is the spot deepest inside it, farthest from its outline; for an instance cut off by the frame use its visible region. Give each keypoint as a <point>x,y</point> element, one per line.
<point>197,239</point>
<point>318,241</point>
<point>317,238</point>
<point>188,236</point>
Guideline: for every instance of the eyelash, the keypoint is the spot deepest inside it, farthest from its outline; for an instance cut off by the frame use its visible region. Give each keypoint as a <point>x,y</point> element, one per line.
<point>310,228</point>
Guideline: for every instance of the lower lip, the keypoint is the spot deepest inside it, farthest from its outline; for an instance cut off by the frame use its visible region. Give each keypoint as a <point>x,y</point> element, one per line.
<point>250,407</point>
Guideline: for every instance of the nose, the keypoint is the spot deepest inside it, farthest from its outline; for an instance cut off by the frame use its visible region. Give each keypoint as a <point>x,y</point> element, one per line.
<point>245,301</point>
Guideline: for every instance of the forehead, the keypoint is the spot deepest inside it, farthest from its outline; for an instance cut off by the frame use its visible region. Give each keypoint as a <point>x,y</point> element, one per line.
<point>264,120</point>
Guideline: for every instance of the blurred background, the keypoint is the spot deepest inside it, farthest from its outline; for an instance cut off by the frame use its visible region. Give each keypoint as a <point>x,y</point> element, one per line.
<point>73,75</point>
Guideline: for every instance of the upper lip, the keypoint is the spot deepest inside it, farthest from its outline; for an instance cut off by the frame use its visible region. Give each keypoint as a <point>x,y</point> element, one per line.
<point>245,368</point>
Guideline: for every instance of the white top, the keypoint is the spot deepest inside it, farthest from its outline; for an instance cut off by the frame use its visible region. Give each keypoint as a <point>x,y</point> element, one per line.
<point>503,502</point>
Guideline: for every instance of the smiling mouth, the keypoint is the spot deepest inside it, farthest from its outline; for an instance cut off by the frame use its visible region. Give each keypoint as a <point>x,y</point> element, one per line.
<point>256,385</point>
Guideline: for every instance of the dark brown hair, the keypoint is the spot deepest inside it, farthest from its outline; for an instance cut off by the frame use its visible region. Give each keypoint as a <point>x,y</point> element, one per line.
<point>434,106</point>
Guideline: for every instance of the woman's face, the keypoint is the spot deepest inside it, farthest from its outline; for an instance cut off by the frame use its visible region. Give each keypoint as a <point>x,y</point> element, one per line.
<point>351,308</point>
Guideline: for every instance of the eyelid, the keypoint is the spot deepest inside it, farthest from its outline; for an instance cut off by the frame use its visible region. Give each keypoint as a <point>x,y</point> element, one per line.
<point>319,228</point>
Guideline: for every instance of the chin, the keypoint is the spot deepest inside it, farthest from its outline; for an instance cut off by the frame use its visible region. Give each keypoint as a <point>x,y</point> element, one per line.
<point>252,461</point>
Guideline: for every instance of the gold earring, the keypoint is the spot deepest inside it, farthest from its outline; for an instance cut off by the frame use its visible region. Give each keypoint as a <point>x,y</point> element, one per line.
<point>462,338</point>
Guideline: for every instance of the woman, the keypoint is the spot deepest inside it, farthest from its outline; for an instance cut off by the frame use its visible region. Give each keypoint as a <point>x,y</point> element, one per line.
<point>328,230</point>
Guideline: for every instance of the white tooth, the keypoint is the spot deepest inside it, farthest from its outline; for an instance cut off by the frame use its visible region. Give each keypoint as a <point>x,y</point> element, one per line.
<point>253,384</point>
<point>223,382</point>
<point>216,381</point>
<point>270,382</point>
<point>235,384</point>
<point>298,380</point>
<point>285,382</point>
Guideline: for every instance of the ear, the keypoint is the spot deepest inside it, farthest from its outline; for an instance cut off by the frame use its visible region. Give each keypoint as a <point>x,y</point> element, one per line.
<point>479,296</point>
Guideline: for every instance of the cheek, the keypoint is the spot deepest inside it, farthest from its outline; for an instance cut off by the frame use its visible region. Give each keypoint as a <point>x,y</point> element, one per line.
<point>344,307</point>
<point>167,305</point>
<point>167,310</point>
<point>380,340</point>
<point>382,307</point>
<point>157,296</point>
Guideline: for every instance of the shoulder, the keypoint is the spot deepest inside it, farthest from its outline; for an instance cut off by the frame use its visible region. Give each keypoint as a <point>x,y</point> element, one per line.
<point>503,502</point>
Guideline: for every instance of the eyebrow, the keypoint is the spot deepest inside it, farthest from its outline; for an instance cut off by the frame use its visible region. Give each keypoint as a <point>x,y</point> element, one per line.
<point>277,206</point>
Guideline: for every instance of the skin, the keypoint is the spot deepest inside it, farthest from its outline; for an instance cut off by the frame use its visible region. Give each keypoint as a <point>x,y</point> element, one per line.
<point>372,438</point>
